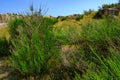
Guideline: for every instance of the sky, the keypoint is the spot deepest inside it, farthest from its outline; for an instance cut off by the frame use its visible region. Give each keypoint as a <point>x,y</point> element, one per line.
<point>53,7</point>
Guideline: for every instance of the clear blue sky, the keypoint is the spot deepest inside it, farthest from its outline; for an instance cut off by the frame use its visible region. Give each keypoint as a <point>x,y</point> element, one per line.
<point>55,7</point>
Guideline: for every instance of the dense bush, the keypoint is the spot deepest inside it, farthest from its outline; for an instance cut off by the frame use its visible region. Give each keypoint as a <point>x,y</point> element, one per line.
<point>63,18</point>
<point>101,34</point>
<point>4,47</point>
<point>79,17</point>
<point>13,26</point>
<point>35,45</point>
<point>51,20</point>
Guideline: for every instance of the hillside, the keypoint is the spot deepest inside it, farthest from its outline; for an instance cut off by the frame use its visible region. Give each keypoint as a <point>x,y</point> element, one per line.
<point>74,47</point>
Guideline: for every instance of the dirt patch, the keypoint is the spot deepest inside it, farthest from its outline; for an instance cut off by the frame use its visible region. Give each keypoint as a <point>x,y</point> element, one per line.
<point>2,25</point>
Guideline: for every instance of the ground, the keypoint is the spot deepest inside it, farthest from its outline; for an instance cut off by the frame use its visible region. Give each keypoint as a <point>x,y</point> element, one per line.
<point>5,69</point>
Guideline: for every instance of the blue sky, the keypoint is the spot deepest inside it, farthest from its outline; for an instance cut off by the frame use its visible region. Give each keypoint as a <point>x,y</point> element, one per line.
<point>55,7</point>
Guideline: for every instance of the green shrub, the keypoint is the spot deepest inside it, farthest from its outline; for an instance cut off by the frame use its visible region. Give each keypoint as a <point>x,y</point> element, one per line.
<point>63,18</point>
<point>101,34</point>
<point>79,17</point>
<point>101,37</point>
<point>34,47</point>
<point>4,47</point>
<point>13,26</point>
<point>51,20</point>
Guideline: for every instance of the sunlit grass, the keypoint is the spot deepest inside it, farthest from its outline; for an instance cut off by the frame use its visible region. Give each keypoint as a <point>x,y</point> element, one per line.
<point>4,32</point>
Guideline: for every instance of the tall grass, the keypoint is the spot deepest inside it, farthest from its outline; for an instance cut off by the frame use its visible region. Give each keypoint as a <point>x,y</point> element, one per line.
<point>108,68</point>
<point>101,37</point>
<point>35,49</point>
<point>102,34</point>
<point>67,34</point>
<point>33,45</point>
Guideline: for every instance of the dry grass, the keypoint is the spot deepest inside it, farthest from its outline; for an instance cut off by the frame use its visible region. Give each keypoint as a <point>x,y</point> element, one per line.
<point>4,32</point>
<point>67,23</point>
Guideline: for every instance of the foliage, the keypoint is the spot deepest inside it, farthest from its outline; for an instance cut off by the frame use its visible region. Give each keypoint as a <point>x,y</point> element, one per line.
<point>101,34</point>
<point>88,12</point>
<point>4,47</point>
<point>79,17</point>
<point>68,34</point>
<point>34,47</point>
<point>62,18</point>
<point>51,20</point>
<point>108,68</point>
<point>101,37</point>
<point>13,26</point>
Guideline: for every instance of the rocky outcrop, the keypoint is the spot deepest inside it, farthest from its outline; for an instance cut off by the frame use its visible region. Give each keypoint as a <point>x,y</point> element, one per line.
<point>4,18</point>
<point>109,11</point>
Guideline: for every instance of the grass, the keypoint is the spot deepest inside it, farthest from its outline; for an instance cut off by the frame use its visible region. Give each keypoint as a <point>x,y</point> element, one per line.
<point>33,43</point>
<point>4,33</point>
<point>86,49</point>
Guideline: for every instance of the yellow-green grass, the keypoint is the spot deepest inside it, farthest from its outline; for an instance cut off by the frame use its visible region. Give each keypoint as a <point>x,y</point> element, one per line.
<point>4,32</point>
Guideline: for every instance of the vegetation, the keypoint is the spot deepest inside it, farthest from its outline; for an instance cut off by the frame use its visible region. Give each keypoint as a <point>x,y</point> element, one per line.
<point>79,17</point>
<point>4,33</point>
<point>100,49</point>
<point>4,43</point>
<point>50,49</point>
<point>33,45</point>
<point>4,47</point>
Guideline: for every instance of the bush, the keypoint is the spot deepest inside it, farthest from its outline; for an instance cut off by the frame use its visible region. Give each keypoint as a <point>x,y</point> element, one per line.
<point>13,26</point>
<point>79,17</point>
<point>63,18</point>
<point>101,37</point>
<point>34,47</point>
<point>101,34</point>
<point>4,47</point>
<point>51,20</point>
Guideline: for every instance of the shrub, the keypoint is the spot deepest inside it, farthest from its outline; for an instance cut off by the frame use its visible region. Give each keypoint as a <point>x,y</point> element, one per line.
<point>63,18</point>
<point>51,20</point>
<point>101,34</point>
<point>4,47</point>
<point>13,26</point>
<point>88,12</point>
<point>101,37</point>
<point>34,47</point>
<point>79,17</point>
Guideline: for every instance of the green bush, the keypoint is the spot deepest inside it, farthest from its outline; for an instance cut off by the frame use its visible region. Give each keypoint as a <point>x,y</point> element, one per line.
<point>63,18</point>
<point>101,34</point>
<point>4,47</point>
<point>79,17</point>
<point>51,20</point>
<point>13,26</point>
<point>101,37</point>
<point>34,47</point>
